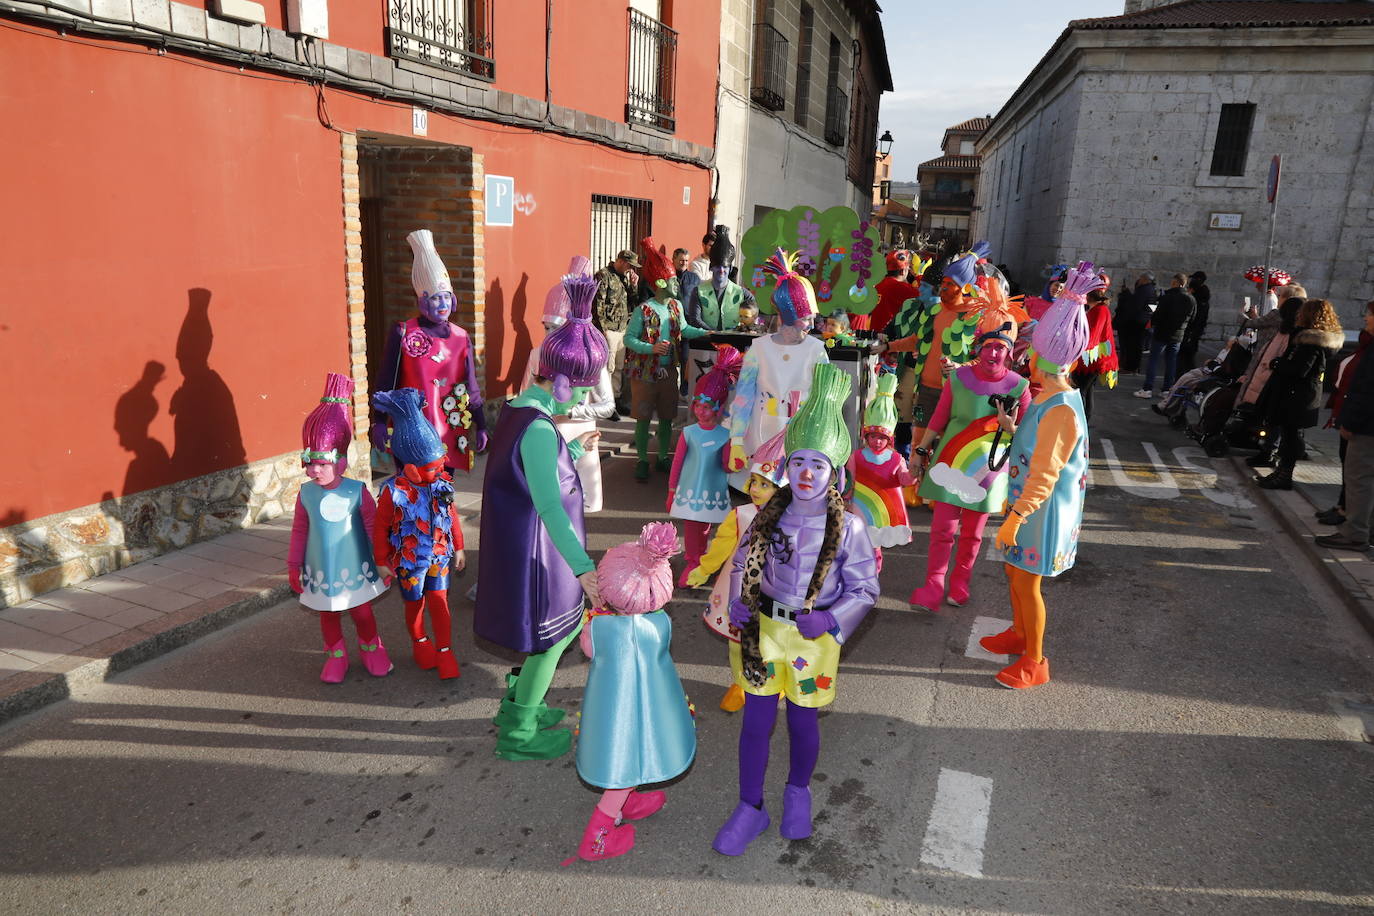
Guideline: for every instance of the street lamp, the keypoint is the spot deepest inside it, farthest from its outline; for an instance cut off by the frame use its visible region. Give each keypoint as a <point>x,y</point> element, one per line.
<point>885,144</point>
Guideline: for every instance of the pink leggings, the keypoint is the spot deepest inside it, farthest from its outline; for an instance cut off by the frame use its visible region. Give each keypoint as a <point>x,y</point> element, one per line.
<point>694,536</point>
<point>949,519</point>
<point>331,624</point>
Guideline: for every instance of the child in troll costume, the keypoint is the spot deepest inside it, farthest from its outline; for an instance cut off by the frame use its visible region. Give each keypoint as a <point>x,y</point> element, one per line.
<point>435,357</point>
<point>698,488</point>
<point>418,533</point>
<point>533,568</point>
<point>1048,477</point>
<point>965,481</point>
<point>802,582</point>
<point>329,562</point>
<point>654,338</point>
<point>879,472</point>
<point>777,369</point>
<point>636,727</point>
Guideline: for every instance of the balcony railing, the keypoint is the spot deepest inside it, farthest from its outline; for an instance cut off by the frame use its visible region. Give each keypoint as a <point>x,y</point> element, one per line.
<point>450,34</point>
<point>652,81</point>
<point>954,199</point>
<point>836,114</point>
<point>770,68</point>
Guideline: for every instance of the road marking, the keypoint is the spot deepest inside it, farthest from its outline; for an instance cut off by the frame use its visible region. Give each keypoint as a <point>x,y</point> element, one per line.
<point>986,626</point>
<point>958,823</point>
<point>1165,488</point>
<point>1209,481</point>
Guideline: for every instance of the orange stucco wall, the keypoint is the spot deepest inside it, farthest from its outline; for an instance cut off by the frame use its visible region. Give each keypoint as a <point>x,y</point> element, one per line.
<point>168,211</point>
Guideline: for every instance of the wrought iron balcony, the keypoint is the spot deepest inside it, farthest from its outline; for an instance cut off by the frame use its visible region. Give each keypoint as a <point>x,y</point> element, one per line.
<point>836,114</point>
<point>652,81</point>
<point>770,68</point>
<point>948,199</point>
<point>450,34</point>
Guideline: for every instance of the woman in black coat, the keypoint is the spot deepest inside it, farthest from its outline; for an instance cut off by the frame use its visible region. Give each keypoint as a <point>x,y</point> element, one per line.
<point>1292,396</point>
<point>1132,316</point>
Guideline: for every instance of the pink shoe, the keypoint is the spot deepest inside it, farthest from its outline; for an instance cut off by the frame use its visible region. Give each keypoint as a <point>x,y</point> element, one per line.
<point>642,804</point>
<point>375,659</point>
<point>603,839</point>
<point>335,663</point>
<point>686,571</point>
<point>927,598</point>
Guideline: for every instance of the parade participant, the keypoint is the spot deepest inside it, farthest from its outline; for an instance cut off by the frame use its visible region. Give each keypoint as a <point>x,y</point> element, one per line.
<point>1099,360</point>
<point>879,472</point>
<point>698,491</point>
<point>893,291</point>
<point>965,481</point>
<point>418,533</point>
<point>329,563</point>
<point>719,304</point>
<point>533,565</point>
<point>944,335</point>
<point>435,357</point>
<point>802,582</point>
<point>654,338</point>
<point>776,368</point>
<point>1047,468</point>
<point>835,331</point>
<point>636,726</point>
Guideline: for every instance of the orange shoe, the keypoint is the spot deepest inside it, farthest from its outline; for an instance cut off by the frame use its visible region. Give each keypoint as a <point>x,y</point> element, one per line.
<point>422,650</point>
<point>733,701</point>
<point>1024,673</point>
<point>910,497</point>
<point>447,664</point>
<point>1008,642</point>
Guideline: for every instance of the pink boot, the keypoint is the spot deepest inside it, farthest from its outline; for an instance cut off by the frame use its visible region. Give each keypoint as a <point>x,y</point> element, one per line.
<point>942,527</point>
<point>970,541</point>
<point>335,663</point>
<point>375,659</point>
<point>642,804</point>
<point>603,839</point>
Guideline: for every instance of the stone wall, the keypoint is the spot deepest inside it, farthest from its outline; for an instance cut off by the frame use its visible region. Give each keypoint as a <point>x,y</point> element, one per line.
<point>64,549</point>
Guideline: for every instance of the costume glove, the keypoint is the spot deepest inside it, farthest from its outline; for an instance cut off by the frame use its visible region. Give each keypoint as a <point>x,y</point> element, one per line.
<point>814,624</point>
<point>740,613</point>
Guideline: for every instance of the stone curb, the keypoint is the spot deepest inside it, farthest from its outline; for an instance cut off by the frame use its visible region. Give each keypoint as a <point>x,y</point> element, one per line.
<point>1356,597</point>
<point>32,690</point>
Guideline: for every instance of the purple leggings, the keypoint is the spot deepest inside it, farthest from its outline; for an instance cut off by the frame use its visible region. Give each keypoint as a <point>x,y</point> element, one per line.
<point>756,728</point>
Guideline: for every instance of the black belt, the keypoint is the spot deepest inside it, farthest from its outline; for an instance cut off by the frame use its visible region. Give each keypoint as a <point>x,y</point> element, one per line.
<point>778,611</point>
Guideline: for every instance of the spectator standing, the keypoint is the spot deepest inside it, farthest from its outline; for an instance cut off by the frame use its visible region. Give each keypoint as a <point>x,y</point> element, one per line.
<point>1292,395</point>
<point>701,264</point>
<point>1344,376</point>
<point>1192,335</point>
<point>617,292</point>
<point>1355,420</point>
<point>1132,314</point>
<point>1171,317</point>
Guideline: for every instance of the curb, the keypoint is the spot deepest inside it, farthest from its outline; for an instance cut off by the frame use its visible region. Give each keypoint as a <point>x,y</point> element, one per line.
<point>32,690</point>
<point>1356,597</point>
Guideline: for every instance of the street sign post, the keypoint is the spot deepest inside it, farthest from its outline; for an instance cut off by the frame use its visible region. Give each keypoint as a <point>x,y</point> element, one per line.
<point>1273,188</point>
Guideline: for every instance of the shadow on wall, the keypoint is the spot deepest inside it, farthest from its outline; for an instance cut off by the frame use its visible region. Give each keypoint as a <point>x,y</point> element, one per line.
<point>508,321</point>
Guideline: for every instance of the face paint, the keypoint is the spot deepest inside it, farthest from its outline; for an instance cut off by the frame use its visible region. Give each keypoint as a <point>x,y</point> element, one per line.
<point>437,307</point>
<point>706,414</point>
<point>808,473</point>
<point>761,489</point>
<point>993,356</point>
<point>878,442</point>
<point>950,294</point>
<point>324,473</point>
<point>578,393</point>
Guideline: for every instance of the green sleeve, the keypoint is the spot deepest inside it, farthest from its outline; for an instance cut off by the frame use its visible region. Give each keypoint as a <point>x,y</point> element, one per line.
<point>692,333</point>
<point>635,331</point>
<point>575,450</point>
<point>538,454</point>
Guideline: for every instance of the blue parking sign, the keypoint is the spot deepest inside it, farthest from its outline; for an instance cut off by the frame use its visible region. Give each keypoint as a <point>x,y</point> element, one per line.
<point>500,200</point>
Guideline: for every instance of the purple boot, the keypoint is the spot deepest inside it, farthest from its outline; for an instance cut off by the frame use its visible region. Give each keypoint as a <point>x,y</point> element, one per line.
<point>796,812</point>
<point>745,823</point>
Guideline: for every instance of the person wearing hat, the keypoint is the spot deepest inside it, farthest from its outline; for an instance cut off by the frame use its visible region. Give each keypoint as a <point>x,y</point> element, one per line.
<point>1047,469</point>
<point>878,472</point>
<point>435,357</point>
<point>801,584</point>
<point>533,568</point>
<point>654,339</point>
<point>893,291</point>
<point>964,481</point>
<point>417,532</point>
<point>617,292</point>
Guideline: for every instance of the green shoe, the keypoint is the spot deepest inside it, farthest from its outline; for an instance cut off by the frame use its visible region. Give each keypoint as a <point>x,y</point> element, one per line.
<point>548,715</point>
<point>521,739</point>
<point>641,470</point>
<point>664,465</point>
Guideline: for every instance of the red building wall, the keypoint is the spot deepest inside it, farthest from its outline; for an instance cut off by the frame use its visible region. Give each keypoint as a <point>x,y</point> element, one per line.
<point>168,211</point>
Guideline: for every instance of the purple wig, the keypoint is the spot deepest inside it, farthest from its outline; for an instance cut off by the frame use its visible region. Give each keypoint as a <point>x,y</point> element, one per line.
<point>329,427</point>
<point>573,355</point>
<point>1061,335</point>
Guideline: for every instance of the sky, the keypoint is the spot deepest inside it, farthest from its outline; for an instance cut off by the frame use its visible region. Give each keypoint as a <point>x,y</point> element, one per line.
<point>939,82</point>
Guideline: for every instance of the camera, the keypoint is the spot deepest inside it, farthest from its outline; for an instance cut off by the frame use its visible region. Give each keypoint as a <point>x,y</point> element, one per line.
<point>1008,402</point>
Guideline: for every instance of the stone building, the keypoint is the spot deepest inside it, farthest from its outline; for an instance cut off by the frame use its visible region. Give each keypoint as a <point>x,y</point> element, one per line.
<point>1144,141</point>
<point>948,183</point>
<point>799,92</point>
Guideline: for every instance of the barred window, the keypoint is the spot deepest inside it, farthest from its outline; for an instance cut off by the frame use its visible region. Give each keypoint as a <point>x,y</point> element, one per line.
<point>1233,139</point>
<point>618,223</point>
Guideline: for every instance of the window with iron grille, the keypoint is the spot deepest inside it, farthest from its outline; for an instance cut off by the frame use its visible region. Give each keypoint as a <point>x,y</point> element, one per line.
<point>836,101</point>
<point>618,223</point>
<point>1233,139</point>
<point>804,42</point>
<point>652,80</point>
<point>450,34</point>
<point>770,67</point>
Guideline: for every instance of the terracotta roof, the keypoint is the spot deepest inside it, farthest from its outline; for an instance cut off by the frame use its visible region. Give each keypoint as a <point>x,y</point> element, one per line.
<point>971,124</point>
<point>952,162</point>
<point>1226,14</point>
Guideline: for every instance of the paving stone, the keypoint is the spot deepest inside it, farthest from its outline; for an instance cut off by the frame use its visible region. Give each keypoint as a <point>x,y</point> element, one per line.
<point>160,599</point>
<point>146,572</point>
<point>44,617</point>
<point>93,632</point>
<point>134,617</point>
<point>13,664</point>
<point>85,602</point>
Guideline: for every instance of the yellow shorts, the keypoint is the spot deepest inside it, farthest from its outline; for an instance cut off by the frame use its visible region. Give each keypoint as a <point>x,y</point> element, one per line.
<point>802,669</point>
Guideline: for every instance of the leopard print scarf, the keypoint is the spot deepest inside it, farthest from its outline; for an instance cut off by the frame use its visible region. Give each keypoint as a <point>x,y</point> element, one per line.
<point>764,535</point>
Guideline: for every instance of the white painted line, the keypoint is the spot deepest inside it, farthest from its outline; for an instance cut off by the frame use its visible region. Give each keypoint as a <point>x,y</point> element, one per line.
<point>986,626</point>
<point>958,823</point>
<point>1164,488</point>
<point>1210,482</point>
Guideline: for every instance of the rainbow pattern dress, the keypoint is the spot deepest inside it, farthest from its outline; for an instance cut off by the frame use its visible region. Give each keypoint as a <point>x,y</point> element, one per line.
<point>959,474</point>
<point>877,497</point>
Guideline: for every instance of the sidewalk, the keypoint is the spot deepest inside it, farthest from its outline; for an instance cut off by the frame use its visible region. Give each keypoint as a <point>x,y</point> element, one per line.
<point>1317,485</point>
<point>110,623</point>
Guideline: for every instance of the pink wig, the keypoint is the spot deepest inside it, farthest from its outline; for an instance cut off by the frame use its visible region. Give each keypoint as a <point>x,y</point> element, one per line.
<point>635,578</point>
<point>329,428</point>
<point>556,302</point>
<point>715,385</point>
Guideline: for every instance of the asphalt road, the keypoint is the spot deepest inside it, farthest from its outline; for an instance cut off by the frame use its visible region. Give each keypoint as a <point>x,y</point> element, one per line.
<point>1187,757</point>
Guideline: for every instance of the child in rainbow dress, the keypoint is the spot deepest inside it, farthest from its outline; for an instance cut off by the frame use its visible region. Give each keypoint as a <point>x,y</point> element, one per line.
<point>879,472</point>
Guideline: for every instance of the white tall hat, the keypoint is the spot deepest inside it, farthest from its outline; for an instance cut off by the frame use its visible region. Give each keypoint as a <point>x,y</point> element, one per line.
<point>428,274</point>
